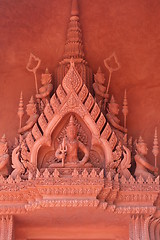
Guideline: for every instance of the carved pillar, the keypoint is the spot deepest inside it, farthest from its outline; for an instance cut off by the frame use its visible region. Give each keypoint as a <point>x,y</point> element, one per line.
<point>6,227</point>
<point>144,228</point>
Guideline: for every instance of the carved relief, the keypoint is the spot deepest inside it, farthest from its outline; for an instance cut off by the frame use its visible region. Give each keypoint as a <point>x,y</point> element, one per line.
<point>142,166</point>
<point>72,150</point>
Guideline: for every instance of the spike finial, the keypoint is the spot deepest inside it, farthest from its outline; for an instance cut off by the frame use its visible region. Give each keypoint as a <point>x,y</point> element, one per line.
<point>125,108</point>
<point>140,140</point>
<point>155,150</point>
<point>71,121</point>
<point>3,139</point>
<point>74,10</point>
<point>99,70</point>
<point>20,110</point>
<point>31,101</point>
<point>112,100</point>
<point>46,71</point>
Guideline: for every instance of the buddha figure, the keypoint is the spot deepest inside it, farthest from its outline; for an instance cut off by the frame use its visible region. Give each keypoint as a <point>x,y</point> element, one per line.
<point>33,116</point>
<point>4,157</point>
<point>45,90</point>
<point>112,113</point>
<point>143,168</point>
<point>100,89</point>
<point>67,152</point>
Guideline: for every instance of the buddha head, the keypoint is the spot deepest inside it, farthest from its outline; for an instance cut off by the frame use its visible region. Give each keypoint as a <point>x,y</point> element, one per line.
<point>31,107</point>
<point>141,147</point>
<point>3,145</point>
<point>71,130</point>
<point>113,106</point>
<point>99,77</point>
<point>46,77</point>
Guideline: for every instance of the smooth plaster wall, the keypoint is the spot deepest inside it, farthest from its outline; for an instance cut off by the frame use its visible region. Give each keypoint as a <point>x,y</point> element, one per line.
<point>128,27</point>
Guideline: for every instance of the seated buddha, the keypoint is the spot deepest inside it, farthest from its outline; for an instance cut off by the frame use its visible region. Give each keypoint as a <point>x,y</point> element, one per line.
<point>67,151</point>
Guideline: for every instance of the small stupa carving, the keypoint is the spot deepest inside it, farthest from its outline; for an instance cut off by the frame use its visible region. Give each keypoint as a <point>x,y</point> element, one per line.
<point>74,49</point>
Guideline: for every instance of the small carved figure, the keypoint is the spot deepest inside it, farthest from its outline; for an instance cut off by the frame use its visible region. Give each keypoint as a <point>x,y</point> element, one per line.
<point>4,157</point>
<point>113,110</point>
<point>67,152</point>
<point>33,116</point>
<point>143,168</point>
<point>101,94</point>
<point>20,161</point>
<point>47,87</point>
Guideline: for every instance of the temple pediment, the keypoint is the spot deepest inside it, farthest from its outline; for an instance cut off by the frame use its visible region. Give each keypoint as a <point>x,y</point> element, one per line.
<point>75,153</point>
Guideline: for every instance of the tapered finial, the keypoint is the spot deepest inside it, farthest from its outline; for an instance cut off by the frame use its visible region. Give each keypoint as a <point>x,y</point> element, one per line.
<point>20,110</point>
<point>74,10</point>
<point>155,150</point>
<point>125,108</point>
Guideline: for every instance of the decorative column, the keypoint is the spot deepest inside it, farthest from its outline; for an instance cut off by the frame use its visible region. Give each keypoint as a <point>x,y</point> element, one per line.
<point>144,228</point>
<point>6,227</point>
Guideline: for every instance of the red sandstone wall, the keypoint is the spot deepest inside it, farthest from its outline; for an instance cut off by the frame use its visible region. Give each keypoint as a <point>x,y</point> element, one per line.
<point>130,28</point>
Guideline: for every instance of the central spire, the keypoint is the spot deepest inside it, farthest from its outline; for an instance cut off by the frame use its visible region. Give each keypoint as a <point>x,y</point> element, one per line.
<point>74,44</point>
<point>74,9</point>
<point>74,50</point>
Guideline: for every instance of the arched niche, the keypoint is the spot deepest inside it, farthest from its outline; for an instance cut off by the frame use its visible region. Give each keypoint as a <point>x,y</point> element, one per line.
<point>46,154</point>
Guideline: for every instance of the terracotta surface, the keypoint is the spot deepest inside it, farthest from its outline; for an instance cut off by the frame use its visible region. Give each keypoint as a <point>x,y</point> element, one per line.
<point>130,28</point>
<point>75,163</point>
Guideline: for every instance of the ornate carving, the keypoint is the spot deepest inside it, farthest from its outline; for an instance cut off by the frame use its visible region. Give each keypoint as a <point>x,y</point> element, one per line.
<point>142,166</point>
<point>72,80</point>
<point>125,164</point>
<point>36,132</point>
<point>48,112</point>
<point>42,122</point>
<point>101,94</point>
<point>95,112</point>
<point>83,93</point>
<point>113,140</point>
<point>81,134</point>
<point>68,150</point>
<point>4,157</point>
<point>106,132</point>
<point>6,223</point>
<point>29,141</point>
<point>60,94</point>
<point>113,110</point>
<point>89,102</point>
<point>33,116</point>
<point>46,89</point>
<point>101,122</point>
<point>54,103</point>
